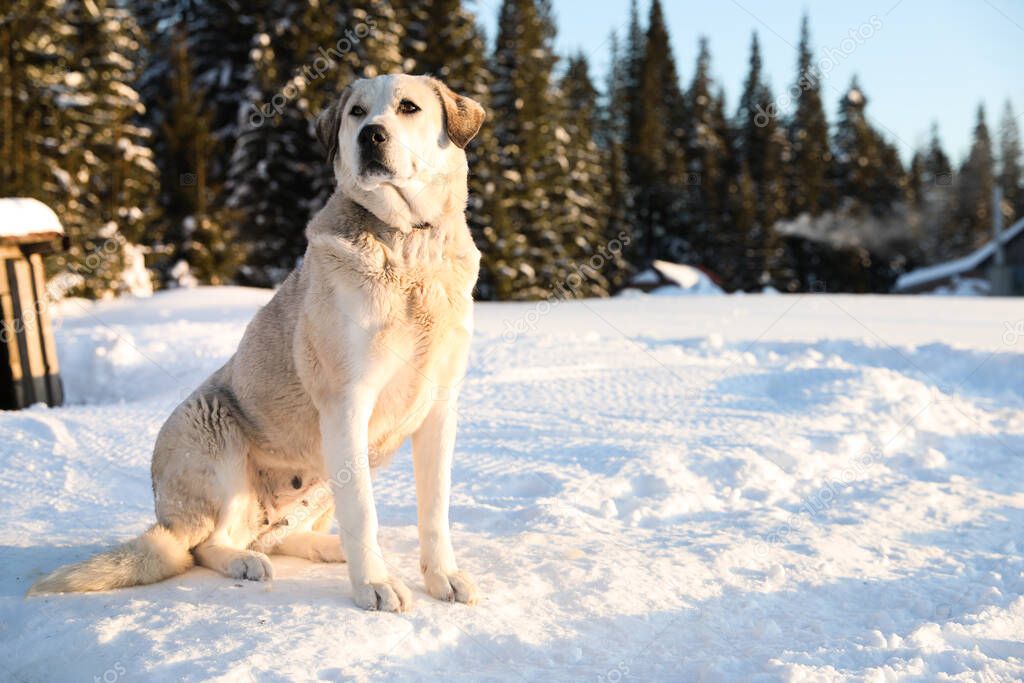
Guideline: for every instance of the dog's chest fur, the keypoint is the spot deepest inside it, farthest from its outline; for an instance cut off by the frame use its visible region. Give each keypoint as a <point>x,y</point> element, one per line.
<point>425,334</point>
<point>403,304</point>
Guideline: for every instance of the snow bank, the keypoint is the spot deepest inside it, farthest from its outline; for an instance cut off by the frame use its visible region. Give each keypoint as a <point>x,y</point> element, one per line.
<point>964,287</point>
<point>757,488</point>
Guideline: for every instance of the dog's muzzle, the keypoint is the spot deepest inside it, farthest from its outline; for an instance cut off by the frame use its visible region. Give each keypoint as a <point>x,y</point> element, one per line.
<point>372,140</point>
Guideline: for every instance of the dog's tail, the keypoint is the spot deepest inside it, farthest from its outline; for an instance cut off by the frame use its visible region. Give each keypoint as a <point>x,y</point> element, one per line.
<point>154,556</point>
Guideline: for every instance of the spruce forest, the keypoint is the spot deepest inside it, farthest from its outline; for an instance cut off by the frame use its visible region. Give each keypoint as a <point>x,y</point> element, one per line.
<point>182,132</point>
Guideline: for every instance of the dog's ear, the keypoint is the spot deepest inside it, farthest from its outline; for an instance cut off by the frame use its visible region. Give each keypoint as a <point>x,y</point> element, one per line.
<point>462,115</point>
<point>328,123</point>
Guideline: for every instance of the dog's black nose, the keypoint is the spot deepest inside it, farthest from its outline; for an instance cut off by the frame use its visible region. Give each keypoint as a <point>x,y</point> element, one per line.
<point>373,135</point>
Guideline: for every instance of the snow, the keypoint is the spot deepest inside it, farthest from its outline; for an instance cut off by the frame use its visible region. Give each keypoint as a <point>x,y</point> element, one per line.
<point>761,488</point>
<point>181,275</point>
<point>24,216</point>
<point>960,286</point>
<point>941,271</point>
<point>135,277</point>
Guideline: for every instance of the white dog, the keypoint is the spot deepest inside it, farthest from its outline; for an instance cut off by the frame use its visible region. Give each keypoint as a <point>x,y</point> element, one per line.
<point>360,348</point>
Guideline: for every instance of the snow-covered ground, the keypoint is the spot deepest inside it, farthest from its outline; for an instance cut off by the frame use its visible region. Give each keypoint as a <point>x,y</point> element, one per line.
<point>655,488</point>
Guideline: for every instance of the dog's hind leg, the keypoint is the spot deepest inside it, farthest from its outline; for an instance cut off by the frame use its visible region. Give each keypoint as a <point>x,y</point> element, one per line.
<point>226,550</point>
<point>311,545</point>
<point>202,482</point>
<point>235,563</point>
<point>301,531</point>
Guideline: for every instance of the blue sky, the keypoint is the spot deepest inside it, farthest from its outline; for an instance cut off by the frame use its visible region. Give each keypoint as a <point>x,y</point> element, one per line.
<point>917,60</point>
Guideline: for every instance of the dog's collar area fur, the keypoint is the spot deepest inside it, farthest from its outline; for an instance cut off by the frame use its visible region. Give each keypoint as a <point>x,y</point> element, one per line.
<point>422,225</point>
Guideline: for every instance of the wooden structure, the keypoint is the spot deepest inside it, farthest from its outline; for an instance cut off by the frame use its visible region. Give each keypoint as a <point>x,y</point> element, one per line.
<point>999,264</point>
<point>29,370</point>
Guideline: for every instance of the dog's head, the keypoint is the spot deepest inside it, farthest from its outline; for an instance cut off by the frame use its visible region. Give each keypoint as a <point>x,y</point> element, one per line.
<point>396,146</point>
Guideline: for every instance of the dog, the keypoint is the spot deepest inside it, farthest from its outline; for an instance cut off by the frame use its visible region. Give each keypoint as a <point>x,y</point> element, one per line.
<point>362,347</point>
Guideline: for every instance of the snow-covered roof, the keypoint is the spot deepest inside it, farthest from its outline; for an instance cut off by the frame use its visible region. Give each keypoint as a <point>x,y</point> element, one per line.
<point>693,280</point>
<point>941,271</point>
<point>677,278</point>
<point>24,217</point>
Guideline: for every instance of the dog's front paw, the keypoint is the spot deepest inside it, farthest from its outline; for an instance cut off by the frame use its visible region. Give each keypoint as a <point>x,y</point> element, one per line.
<point>251,565</point>
<point>451,586</point>
<point>390,595</point>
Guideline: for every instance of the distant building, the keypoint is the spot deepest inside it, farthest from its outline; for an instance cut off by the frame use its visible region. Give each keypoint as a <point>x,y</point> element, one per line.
<point>975,273</point>
<point>29,371</point>
<point>668,277</point>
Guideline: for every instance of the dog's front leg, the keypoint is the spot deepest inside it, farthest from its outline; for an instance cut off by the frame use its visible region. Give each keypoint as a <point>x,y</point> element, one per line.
<point>344,426</point>
<point>432,447</point>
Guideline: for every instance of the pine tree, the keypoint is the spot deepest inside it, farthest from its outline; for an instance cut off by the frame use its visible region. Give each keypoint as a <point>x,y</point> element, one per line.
<point>916,247</point>
<point>30,117</point>
<point>71,133</point>
<point>915,179</point>
<point>972,217</point>
<point>193,87</point>
<point>627,109</point>
<point>706,154</point>
<point>583,211</point>
<point>629,93</point>
<point>856,150</point>
<point>611,134</point>
<point>867,169</point>
<point>194,230</point>
<point>892,176</point>
<point>741,212</point>
<point>659,148</point>
<point>761,147</point>
<point>739,204</point>
<point>530,257</point>
<point>1010,177</point>
<point>218,38</point>
<point>275,159</point>
<point>937,169</point>
<point>440,38</point>
<point>808,187</point>
<point>935,199</point>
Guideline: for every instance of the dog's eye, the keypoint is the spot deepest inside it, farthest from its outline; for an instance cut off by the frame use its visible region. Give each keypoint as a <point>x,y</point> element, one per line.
<point>407,107</point>
<point>357,111</point>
